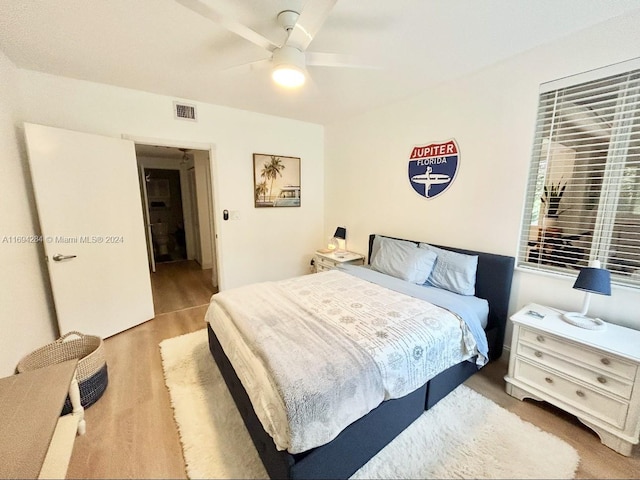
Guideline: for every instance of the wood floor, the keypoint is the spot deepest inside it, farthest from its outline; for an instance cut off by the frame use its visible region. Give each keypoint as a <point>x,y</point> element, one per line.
<point>131,432</point>
<point>178,285</point>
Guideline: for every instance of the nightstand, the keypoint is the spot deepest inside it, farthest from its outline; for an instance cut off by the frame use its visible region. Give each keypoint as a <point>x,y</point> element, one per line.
<point>329,261</point>
<point>592,374</point>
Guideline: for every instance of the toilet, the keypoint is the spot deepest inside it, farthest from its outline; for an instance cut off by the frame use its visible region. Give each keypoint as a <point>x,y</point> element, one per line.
<point>160,233</point>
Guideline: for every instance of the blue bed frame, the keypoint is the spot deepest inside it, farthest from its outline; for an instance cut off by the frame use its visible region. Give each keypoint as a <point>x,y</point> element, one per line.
<point>364,438</point>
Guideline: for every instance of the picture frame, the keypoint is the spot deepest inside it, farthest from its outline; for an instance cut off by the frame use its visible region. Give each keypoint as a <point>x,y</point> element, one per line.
<point>276,181</point>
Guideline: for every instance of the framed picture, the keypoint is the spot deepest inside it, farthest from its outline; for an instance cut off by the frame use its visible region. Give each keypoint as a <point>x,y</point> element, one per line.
<point>276,180</point>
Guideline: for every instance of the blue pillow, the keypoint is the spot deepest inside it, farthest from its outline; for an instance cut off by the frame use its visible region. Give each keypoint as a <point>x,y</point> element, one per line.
<point>453,271</point>
<point>402,259</point>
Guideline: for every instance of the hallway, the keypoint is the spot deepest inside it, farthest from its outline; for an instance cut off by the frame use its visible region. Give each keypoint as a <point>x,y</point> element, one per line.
<point>180,285</point>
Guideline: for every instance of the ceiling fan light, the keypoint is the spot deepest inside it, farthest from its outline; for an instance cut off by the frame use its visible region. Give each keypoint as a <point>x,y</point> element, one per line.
<point>288,67</point>
<point>288,76</point>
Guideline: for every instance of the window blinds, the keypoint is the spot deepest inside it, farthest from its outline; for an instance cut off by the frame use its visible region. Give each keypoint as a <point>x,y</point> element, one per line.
<point>583,194</point>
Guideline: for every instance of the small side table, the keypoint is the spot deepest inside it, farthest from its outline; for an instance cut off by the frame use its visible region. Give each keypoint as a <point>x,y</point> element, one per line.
<point>592,374</point>
<point>329,261</point>
<point>36,442</point>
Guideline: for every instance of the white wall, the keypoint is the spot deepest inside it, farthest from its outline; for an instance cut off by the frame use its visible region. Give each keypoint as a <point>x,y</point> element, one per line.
<point>491,114</point>
<point>25,313</point>
<point>262,244</point>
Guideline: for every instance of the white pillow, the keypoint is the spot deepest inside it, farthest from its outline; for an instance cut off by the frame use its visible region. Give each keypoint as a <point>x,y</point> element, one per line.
<point>375,247</point>
<point>453,271</point>
<point>402,260</point>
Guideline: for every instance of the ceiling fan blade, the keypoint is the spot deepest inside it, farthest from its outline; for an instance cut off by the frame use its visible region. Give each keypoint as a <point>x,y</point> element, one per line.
<point>335,60</point>
<point>212,14</point>
<point>249,67</point>
<point>311,19</point>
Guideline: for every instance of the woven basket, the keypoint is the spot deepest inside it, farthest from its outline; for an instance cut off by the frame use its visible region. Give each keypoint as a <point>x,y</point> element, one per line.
<point>92,365</point>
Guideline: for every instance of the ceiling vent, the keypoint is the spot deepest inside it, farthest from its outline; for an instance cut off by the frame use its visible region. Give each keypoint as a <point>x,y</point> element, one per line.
<point>184,111</point>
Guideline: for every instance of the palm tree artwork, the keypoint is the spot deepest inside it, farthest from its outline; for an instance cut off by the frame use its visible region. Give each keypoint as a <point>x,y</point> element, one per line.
<point>276,180</point>
<point>261,191</point>
<point>271,171</point>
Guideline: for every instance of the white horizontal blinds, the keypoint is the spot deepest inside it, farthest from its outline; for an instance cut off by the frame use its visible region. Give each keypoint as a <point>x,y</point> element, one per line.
<point>583,200</point>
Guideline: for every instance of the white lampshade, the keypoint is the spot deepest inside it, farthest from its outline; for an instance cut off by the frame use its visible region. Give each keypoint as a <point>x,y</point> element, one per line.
<point>288,67</point>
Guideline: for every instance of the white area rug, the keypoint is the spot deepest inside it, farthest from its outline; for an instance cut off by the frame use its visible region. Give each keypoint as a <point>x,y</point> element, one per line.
<point>463,436</point>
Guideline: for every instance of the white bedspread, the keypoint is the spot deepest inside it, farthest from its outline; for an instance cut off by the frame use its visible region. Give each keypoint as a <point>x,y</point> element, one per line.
<point>317,352</point>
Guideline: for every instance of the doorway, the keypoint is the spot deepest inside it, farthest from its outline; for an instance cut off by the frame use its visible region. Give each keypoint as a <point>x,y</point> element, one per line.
<point>177,198</point>
<point>166,215</point>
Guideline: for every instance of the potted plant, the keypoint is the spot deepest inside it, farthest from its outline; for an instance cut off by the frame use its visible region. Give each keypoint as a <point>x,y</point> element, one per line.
<point>551,197</point>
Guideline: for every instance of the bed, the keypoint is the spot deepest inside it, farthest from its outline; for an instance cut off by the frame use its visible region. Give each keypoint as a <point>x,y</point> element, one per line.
<point>361,439</point>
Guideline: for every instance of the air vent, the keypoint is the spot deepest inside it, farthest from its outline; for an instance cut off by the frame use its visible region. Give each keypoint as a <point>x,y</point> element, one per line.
<point>184,111</point>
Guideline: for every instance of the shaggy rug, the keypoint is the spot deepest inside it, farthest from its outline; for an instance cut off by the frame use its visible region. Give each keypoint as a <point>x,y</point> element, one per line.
<point>463,436</point>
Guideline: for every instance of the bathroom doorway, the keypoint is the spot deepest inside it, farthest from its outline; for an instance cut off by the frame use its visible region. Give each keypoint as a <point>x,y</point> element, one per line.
<point>166,215</point>
<point>177,198</point>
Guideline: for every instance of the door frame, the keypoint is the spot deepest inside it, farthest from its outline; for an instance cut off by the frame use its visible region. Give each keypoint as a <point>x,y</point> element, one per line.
<point>146,215</point>
<point>212,181</point>
<point>186,206</point>
<point>190,179</point>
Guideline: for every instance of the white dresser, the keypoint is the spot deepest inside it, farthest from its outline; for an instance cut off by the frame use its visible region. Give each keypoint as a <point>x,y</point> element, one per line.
<point>329,261</point>
<point>592,374</point>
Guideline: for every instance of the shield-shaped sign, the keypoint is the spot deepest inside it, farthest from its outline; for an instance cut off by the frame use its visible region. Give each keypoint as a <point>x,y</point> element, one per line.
<point>433,167</point>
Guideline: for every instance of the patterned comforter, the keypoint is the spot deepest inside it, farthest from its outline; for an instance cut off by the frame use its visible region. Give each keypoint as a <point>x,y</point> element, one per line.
<point>334,347</point>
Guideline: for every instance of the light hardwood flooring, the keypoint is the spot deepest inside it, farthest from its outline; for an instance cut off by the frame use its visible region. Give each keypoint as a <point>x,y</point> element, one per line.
<point>178,285</point>
<point>130,429</point>
<point>131,432</point>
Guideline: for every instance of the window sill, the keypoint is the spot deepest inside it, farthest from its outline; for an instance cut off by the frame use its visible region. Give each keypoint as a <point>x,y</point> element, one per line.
<point>572,277</point>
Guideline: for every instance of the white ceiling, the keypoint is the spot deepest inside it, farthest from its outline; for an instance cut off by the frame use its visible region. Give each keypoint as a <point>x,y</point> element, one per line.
<point>162,47</point>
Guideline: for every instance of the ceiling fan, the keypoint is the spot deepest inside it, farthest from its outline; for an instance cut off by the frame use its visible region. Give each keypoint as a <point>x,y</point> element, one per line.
<point>289,59</point>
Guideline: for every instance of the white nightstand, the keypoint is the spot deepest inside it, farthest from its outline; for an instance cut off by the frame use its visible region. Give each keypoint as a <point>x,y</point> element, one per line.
<point>329,261</point>
<point>592,374</point>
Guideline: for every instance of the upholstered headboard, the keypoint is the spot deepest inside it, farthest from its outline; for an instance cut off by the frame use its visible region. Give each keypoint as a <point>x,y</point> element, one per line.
<point>493,283</point>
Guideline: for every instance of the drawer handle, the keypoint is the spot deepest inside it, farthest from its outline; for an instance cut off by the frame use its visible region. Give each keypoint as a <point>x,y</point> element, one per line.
<point>580,393</point>
<point>602,380</point>
<point>538,354</point>
<point>540,338</point>
<point>605,361</point>
<point>548,380</point>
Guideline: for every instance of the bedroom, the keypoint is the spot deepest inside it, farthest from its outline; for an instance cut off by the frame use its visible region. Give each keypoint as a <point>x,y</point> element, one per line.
<point>348,174</point>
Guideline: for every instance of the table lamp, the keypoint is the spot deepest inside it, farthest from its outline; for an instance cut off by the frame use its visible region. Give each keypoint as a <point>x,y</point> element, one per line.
<point>592,279</point>
<point>338,242</point>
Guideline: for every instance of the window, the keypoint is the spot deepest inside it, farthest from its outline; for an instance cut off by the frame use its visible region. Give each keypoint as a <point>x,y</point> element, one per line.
<point>583,195</point>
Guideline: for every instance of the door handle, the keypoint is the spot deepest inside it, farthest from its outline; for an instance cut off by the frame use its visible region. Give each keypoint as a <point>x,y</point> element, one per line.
<point>59,257</point>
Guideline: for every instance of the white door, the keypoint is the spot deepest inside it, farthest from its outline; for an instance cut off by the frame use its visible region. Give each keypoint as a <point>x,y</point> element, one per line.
<point>88,200</point>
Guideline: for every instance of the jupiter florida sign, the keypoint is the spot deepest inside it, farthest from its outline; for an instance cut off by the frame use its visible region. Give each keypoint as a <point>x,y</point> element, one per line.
<point>433,167</point>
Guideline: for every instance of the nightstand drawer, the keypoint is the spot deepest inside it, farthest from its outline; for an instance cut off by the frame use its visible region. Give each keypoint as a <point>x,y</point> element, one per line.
<point>602,361</point>
<point>322,268</point>
<point>324,262</point>
<point>584,399</point>
<point>584,373</point>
